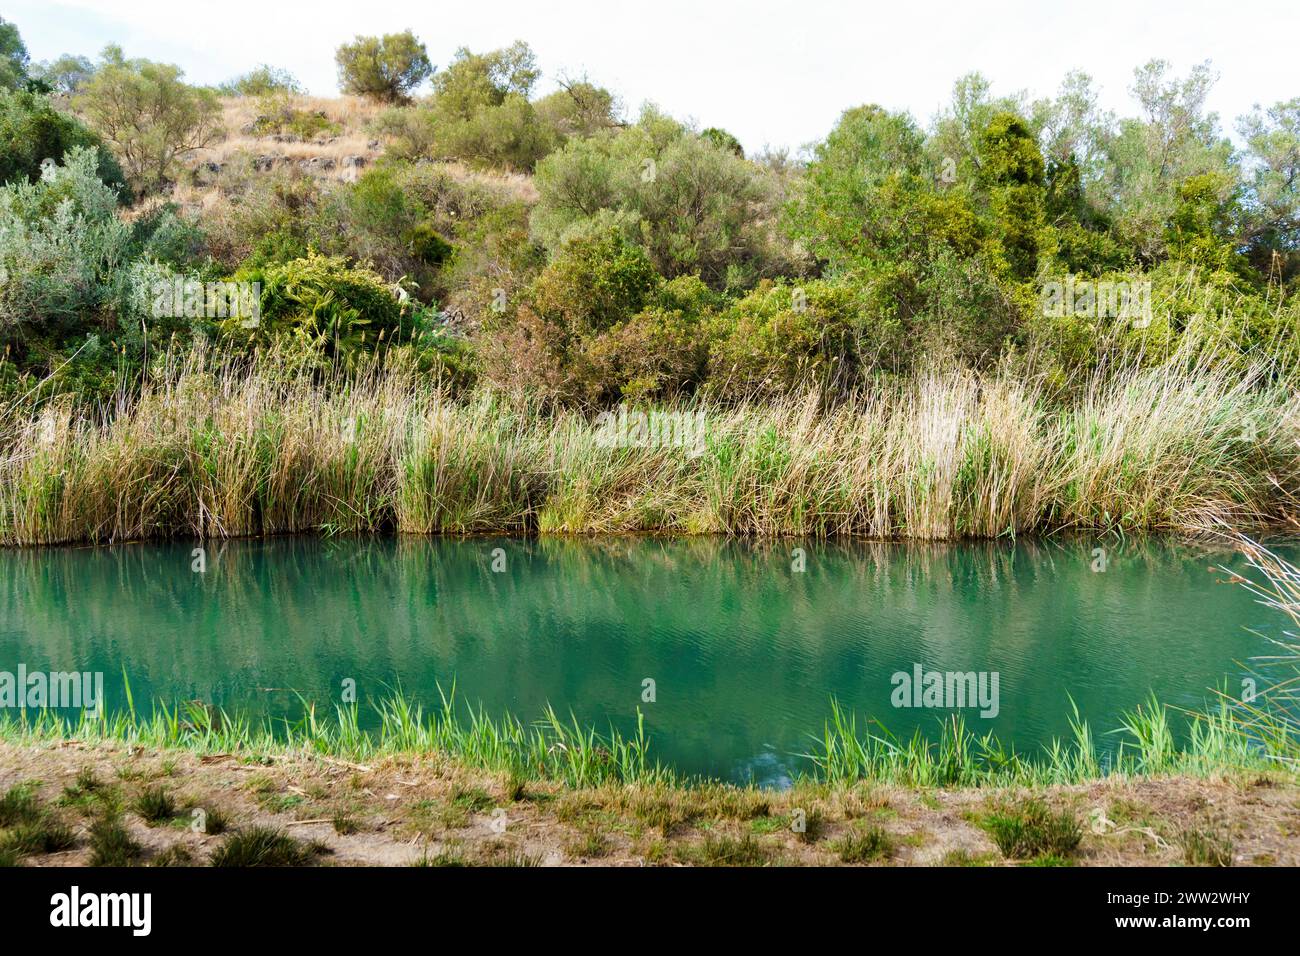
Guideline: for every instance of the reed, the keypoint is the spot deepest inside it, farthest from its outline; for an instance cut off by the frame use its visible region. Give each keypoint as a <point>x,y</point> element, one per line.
<point>216,448</point>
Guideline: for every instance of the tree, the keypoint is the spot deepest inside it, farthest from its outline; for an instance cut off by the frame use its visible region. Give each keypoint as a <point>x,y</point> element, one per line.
<point>481,112</point>
<point>1011,177</point>
<point>1273,187</point>
<point>384,68</point>
<point>578,108</point>
<point>695,207</point>
<point>65,75</point>
<point>13,57</point>
<point>474,81</point>
<point>261,81</point>
<point>149,114</point>
<point>1151,158</point>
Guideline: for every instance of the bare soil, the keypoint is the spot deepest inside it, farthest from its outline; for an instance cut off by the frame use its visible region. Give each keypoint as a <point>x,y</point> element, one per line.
<point>422,809</point>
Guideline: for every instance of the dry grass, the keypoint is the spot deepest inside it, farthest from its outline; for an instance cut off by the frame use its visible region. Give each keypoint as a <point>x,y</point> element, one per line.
<point>212,451</point>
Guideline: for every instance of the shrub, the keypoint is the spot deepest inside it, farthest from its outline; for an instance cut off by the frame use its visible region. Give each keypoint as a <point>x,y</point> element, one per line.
<point>32,131</point>
<point>385,68</point>
<point>278,114</point>
<point>323,302</point>
<point>166,235</point>
<point>821,333</point>
<point>595,281</point>
<point>60,244</point>
<point>260,81</point>
<point>695,207</point>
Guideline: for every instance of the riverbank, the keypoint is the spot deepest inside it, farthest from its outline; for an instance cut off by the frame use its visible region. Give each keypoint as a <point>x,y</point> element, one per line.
<point>213,451</point>
<point>175,807</point>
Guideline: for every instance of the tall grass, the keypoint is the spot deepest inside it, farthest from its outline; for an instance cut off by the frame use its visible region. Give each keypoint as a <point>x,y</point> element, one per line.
<point>212,449</point>
<point>1272,714</point>
<point>1216,741</point>
<point>549,749</point>
<point>565,751</point>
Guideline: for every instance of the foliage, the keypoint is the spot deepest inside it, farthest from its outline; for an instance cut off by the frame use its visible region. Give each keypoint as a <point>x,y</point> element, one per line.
<point>65,75</point>
<point>385,68</point>
<point>261,81</point>
<point>13,57</point>
<point>60,245</point>
<point>149,115</point>
<point>693,206</point>
<point>32,130</point>
<point>322,302</point>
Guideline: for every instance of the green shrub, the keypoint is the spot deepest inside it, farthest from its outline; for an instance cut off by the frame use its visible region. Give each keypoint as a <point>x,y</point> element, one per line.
<point>546,345</point>
<point>694,206</point>
<point>428,246</point>
<point>784,337</point>
<point>384,68</point>
<point>60,245</point>
<point>324,303</point>
<point>32,131</point>
<point>260,81</point>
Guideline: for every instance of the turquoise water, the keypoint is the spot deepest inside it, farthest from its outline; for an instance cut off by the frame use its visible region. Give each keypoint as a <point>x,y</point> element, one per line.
<point>745,652</point>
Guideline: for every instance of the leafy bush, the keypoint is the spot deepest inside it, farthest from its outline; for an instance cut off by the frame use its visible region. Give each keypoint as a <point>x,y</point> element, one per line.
<point>33,131</point>
<point>783,337</point>
<point>481,112</point>
<point>278,114</point>
<point>260,81</point>
<point>693,206</point>
<point>60,244</point>
<point>323,303</point>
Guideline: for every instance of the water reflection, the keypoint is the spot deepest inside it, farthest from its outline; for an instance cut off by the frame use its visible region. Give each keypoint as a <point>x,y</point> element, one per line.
<point>744,651</point>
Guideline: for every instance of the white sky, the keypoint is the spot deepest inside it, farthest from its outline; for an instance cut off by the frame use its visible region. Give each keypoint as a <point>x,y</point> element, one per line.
<point>775,73</point>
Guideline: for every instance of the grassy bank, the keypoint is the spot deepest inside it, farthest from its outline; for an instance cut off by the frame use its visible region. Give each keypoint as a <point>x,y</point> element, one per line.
<point>107,804</point>
<point>449,788</point>
<point>213,451</point>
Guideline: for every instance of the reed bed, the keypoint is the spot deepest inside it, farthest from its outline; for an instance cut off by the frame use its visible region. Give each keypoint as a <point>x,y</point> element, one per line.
<point>211,450</point>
